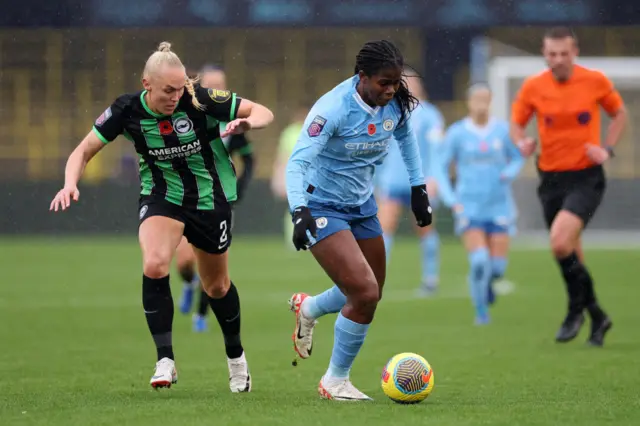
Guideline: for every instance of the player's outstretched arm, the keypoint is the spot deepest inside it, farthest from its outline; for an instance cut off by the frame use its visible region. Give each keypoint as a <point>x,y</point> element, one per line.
<point>225,105</point>
<point>259,116</point>
<point>251,115</point>
<point>76,164</point>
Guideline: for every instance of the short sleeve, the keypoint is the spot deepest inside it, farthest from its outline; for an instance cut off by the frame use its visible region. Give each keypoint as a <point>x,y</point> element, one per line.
<point>522,108</point>
<point>320,125</point>
<point>110,124</point>
<point>608,96</point>
<point>220,104</point>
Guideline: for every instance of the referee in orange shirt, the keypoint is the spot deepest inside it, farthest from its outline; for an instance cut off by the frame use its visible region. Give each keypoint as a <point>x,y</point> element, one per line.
<point>566,100</point>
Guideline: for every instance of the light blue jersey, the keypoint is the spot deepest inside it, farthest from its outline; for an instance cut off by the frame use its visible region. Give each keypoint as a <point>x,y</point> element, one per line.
<point>486,164</point>
<point>427,124</point>
<point>342,141</point>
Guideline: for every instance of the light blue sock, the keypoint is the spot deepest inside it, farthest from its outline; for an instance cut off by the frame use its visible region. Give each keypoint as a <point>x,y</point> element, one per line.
<point>479,278</point>
<point>430,247</point>
<point>347,341</point>
<point>329,302</point>
<point>388,243</point>
<point>498,267</point>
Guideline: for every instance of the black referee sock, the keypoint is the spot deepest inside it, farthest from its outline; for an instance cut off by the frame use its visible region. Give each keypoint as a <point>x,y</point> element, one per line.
<point>578,282</point>
<point>158,309</point>
<point>203,306</point>
<point>227,311</point>
<point>590,300</point>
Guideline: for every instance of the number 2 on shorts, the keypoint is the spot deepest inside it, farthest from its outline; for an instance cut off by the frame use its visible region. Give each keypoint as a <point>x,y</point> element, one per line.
<point>223,235</point>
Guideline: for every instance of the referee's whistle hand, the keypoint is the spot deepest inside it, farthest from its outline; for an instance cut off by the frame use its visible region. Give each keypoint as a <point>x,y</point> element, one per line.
<point>597,154</point>
<point>527,146</point>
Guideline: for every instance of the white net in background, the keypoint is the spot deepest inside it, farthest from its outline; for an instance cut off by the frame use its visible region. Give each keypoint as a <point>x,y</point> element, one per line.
<point>616,223</point>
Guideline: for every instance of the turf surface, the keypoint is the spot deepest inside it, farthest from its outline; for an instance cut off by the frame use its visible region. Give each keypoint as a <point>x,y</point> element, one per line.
<point>76,350</point>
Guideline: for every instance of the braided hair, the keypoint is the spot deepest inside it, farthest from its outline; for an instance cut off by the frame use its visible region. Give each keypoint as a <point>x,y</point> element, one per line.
<point>377,55</point>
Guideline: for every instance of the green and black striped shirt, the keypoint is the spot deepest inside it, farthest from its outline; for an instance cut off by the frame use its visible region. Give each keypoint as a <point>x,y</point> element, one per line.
<point>182,157</point>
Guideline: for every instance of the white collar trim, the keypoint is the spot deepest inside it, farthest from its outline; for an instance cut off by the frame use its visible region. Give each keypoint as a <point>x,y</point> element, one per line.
<point>364,106</point>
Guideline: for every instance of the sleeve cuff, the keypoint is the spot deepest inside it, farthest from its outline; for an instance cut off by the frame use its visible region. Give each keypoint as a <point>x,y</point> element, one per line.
<point>99,135</point>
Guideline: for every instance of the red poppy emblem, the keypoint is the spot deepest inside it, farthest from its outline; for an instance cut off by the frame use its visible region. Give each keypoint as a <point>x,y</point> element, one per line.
<point>165,128</point>
<point>371,128</point>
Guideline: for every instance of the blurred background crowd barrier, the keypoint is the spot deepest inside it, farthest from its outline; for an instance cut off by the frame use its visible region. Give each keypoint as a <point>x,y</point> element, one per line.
<point>62,63</point>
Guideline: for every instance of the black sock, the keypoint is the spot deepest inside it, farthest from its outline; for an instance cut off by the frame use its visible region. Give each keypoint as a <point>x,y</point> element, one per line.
<point>158,308</point>
<point>590,300</point>
<point>579,283</point>
<point>187,274</point>
<point>227,311</point>
<point>203,307</point>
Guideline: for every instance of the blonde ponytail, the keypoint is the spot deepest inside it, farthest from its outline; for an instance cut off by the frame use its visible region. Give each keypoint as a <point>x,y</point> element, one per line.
<point>192,91</point>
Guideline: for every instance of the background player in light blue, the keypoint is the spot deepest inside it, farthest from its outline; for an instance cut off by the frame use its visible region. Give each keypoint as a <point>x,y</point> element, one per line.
<point>394,190</point>
<point>485,213</point>
<point>330,191</point>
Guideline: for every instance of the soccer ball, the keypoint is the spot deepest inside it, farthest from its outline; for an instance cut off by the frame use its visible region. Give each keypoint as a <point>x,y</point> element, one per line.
<point>407,378</point>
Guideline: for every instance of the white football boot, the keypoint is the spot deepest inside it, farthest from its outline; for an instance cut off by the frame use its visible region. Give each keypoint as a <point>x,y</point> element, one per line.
<point>239,376</point>
<point>340,390</point>
<point>165,374</point>
<point>303,333</point>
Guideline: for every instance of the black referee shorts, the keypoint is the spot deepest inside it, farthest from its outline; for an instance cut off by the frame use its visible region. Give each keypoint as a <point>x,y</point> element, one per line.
<point>579,192</point>
<point>208,230</point>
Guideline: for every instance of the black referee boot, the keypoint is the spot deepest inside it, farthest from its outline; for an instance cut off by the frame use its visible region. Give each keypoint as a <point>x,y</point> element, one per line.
<point>570,327</point>
<point>600,324</point>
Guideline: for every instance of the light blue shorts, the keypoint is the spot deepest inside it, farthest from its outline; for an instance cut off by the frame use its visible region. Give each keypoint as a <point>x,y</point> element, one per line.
<point>362,221</point>
<point>489,227</point>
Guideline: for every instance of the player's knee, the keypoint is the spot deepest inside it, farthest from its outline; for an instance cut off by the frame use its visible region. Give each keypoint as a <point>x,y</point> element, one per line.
<point>565,234</point>
<point>216,287</point>
<point>366,300</point>
<point>156,265</point>
<point>561,245</point>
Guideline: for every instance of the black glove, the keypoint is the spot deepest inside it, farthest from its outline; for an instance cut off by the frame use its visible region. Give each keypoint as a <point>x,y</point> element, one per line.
<point>303,221</point>
<point>420,205</point>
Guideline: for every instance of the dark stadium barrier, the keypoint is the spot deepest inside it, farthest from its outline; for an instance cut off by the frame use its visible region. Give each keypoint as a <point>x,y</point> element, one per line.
<point>112,208</point>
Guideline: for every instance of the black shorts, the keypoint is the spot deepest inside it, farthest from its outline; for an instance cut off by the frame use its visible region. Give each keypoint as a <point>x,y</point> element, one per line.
<point>208,230</point>
<point>579,192</point>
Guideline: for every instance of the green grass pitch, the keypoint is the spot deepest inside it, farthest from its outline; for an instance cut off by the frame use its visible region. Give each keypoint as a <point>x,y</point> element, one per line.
<point>75,349</point>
